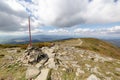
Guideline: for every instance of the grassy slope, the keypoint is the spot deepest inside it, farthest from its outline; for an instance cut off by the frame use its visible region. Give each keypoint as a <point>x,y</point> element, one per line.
<point>10,69</point>
<point>100,46</point>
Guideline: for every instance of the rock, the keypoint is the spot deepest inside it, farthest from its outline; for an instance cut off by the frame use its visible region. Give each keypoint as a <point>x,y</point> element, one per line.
<point>32,72</point>
<point>108,78</point>
<point>44,60</point>
<point>51,63</point>
<point>43,75</point>
<point>33,55</point>
<point>93,77</point>
<point>117,69</point>
<point>38,65</point>
<point>48,51</point>
<point>8,57</point>
<point>12,51</point>
<point>79,71</point>
<point>41,63</point>
<point>95,70</point>
<point>64,53</point>
<point>88,66</point>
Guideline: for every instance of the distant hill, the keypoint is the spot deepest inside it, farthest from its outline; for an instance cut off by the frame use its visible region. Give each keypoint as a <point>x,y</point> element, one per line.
<point>35,38</point>
<point>114,41</point>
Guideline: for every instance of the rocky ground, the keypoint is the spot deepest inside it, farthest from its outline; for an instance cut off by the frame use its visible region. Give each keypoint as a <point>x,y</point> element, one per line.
<point>62,61</point>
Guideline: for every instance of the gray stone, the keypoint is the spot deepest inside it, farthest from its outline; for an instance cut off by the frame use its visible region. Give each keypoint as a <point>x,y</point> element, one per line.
<point>79,71</point>
<point>38,65</point>
<point>51,63</point>
<point>33,55</point>
<point>32,72</point>
<point>93,77</point>
<point>43,75</point>
<point>41,63</point>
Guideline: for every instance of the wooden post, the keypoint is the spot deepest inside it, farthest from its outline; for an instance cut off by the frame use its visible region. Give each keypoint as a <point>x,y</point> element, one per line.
<point>30,38</point>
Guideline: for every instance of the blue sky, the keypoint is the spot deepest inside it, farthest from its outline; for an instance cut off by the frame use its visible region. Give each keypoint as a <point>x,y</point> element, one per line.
<point>91,18</point>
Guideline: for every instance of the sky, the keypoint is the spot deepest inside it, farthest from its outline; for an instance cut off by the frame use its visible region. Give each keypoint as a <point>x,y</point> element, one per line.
<point>89,18</point>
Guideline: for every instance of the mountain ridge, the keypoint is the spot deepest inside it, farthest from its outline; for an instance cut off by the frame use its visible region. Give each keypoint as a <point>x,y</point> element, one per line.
<point>72,59</point>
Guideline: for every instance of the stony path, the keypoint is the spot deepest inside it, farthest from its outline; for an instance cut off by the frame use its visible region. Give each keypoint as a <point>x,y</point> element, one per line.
<point>80,41</point>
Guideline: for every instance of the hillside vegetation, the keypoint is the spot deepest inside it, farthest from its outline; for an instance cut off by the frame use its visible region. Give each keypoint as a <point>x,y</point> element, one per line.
<point>24,46</point>
<point>72,59</point>
<point>101,47</point>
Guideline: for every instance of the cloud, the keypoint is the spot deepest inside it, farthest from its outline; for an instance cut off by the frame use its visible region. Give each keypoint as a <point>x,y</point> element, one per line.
<point>60,13</point>
<point>67,13</point>
<point>13,17</point>
<point>112,31</point>
<point>85,30</point>
<point>59,31</point>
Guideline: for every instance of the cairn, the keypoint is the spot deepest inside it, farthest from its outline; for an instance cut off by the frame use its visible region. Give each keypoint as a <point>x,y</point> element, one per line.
<point>33,55</point>
<point>39,61</point>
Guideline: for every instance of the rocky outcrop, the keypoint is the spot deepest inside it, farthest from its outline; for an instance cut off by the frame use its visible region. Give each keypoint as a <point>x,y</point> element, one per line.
<point>39,62</point>
<point>33,55</point>
<point>61,62</point>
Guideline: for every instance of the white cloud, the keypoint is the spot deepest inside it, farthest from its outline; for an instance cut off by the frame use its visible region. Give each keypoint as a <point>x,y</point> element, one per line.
<point>37,31</point>
<point>85,30</point>
<point>59,31</point>
<point>14,18</point>
<point>113,31</point>
<point>62,13</point>
<point>66,13</point>
<point>12,15</point>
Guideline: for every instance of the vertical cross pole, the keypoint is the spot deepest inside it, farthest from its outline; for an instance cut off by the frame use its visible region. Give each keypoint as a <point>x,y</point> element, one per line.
<point>30,43</point>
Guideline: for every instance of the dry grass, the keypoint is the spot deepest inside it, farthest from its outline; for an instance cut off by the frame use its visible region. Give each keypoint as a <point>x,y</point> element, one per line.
<point>10,69</point>
<point>101,47</point>
<point>24,46</point>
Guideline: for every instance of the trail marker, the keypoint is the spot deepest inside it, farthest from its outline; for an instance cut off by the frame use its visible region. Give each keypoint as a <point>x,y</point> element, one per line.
<point>30,38</point>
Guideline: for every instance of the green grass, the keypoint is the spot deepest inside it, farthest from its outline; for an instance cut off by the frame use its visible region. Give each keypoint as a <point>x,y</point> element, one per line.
<point>11,70</point>
<point>14,71</point>
<point>100,46</point>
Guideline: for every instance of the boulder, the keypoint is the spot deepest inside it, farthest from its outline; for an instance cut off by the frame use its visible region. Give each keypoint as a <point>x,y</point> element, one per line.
<point>51,63</point>
<point>41,63</point>
<point>43,75</point>
<point>32,72</point>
